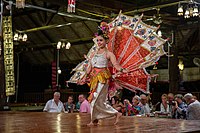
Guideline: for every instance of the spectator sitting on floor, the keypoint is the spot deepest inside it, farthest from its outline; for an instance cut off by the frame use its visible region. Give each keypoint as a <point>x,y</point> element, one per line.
<point>69,106</point>
<point>85,106</point>
<point>193,110</point>
<point>180,107</point>
<point>145,109</point>
<point>54,105</point>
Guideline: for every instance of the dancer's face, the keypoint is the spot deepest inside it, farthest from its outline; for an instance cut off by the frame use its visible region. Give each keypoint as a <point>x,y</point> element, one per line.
<point>101,42</point>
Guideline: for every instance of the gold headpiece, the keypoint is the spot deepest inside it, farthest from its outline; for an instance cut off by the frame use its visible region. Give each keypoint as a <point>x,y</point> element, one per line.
<point>103,30</point>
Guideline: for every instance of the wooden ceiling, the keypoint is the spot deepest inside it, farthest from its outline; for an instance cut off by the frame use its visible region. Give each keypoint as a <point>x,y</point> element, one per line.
<point>47,21</point>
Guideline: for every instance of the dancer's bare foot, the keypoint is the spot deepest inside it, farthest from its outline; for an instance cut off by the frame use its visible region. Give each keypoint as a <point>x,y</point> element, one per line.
<point>93,123</point>
<point>118,115</point>
<point>90,124</point>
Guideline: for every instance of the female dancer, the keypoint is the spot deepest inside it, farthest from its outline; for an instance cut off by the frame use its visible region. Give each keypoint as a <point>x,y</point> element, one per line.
<point>99,76</point>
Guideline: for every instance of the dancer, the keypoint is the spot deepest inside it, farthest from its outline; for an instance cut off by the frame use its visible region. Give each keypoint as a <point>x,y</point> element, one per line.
<point>99,76</point>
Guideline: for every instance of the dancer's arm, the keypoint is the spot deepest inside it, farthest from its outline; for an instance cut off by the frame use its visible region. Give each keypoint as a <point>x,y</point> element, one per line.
<point>114,62</point>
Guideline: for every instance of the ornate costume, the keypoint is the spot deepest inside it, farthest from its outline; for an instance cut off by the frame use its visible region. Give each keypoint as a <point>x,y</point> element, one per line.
<point>99,83</point>
<point>135,46</point>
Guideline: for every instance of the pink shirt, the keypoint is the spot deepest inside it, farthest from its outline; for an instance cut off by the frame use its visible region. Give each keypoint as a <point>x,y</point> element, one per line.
<point>85,107</point>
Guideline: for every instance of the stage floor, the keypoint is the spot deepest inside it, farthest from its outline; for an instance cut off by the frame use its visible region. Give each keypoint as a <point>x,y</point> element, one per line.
<point>42,122</point>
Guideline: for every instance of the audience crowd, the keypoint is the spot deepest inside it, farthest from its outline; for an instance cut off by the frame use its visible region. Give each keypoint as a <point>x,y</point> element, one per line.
<point>174,106</point>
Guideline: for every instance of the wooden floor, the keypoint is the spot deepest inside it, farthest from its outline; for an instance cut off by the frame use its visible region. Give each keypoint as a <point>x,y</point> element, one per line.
<point>41,122</point>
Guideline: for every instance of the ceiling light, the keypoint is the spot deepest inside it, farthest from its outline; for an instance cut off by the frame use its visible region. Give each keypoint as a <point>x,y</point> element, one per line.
<point>59,45</point>
<point>192,9</point>
<point>68,45</point>
<point>195,11</point>
<point>24,38</point>
<point>20,37</point>
<point>63,44</point>
<point>16,37</point>
<point>180,10</point>
<point>59,71</point>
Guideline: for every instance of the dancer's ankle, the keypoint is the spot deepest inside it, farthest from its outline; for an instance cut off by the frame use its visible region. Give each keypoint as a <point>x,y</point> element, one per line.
<point>90,124</point>
<point>118,115</point>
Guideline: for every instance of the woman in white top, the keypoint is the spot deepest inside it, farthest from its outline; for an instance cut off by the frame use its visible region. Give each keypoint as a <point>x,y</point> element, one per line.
<point>99,76</point>
<point>164,106</point>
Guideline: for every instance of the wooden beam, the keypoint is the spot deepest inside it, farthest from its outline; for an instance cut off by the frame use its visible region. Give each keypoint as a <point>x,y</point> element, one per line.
<point>38,13</point>
<point>29,46</point>
<point>43,32</point>
<point>55,2</point>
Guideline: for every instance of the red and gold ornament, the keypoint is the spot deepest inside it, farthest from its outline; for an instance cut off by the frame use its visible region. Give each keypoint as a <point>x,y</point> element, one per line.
<point>71,6</point>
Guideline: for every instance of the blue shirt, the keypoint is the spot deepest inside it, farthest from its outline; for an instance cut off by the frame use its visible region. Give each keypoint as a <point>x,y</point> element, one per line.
<point>181,111</point>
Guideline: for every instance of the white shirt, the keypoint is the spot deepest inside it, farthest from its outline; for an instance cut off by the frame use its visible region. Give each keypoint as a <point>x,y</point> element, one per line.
<point>51,106</point>
<point>162,108</point>
<point>145,109</point>
<point>193,111</point>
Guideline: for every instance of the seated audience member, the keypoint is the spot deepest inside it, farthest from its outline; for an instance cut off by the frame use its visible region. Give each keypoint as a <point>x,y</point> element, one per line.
<point>195,97</point>
<point>145,109</point>
<point>54,105</point>
<point>116,104</point>
<point>171,102</point>
<point>164,106</point>
<point>69,106</point>
<point>180,107</point>
<point>193,110</point>
<point>134,108</point>
<point>85,105</point>
<point>78,104</point>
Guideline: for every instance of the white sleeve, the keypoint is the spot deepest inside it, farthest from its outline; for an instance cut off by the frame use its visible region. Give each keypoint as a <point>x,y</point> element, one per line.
<point>46,108</point>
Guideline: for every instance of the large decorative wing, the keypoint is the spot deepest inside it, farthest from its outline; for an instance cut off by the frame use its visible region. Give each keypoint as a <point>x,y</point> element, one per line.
<point>136,46</point>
